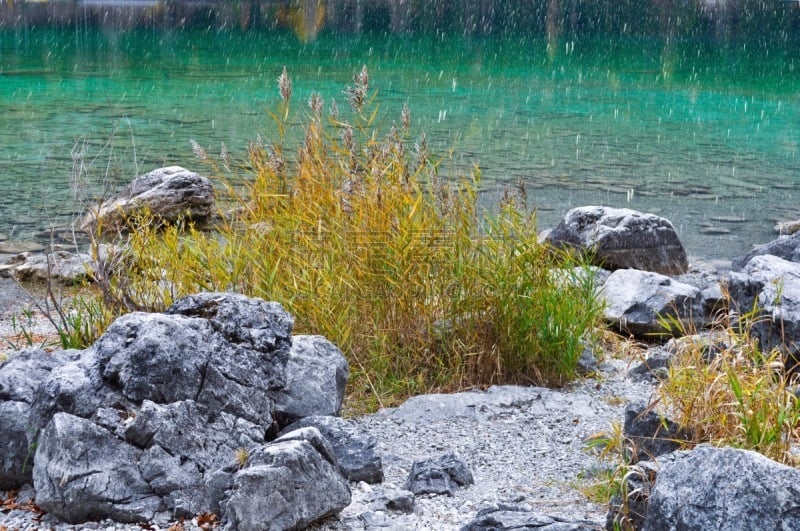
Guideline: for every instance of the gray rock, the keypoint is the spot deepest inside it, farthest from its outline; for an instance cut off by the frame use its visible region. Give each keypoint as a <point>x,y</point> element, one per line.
<point>619,238</point>
<point>787,247</point>
<point>394,500</point>
<point>507,517</point>
<point>75,387</point>
<point>629,513</point>
<point>316,376</point>
<point>314,437</point>
<point>355,449</point>
<point>59,266</point>
<point>82,472</point>
<point>724,489</point>
<point>286,485</point>
<point>655,365</point>
<point>424,409</point>
<point>168,194</point>
<point>22,373</point>
<point>712,301</point>
<point>154,418</point>
<point>16,455</point>
<point>638,301</point>
<point>250,322</point>
<point>229,358</point>
<point>182,442</point>
<point>442,475</point>
<point>20,377</point>
<point>650,434</point>
<point>770,285</point>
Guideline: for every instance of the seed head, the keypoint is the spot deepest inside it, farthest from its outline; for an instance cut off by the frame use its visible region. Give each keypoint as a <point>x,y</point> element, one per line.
<point>334,110</point>
<point>405,118</point>
<point>357,95</point>
<point>285,86</point>
<point>198,150</point>
<point>315,103</point>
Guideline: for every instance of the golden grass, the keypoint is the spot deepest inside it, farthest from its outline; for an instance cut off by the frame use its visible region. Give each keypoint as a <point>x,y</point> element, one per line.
<point>358,235</point>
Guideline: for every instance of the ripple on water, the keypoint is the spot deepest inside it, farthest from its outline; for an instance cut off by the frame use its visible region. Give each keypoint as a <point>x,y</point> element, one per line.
<point>16,247</point>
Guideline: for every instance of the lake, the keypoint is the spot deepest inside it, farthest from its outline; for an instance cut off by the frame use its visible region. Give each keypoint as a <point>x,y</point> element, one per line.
<point>701,133</point>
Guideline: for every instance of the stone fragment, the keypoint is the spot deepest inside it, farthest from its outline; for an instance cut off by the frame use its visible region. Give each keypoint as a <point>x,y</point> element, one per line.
<point>442,475</point>
<point>168,194</point>
<point>286,485</point>
<point>620,238</point>
<point>355,450</point>
<point>508,517</point>
<point>316,375</point>
<point>650,434</point>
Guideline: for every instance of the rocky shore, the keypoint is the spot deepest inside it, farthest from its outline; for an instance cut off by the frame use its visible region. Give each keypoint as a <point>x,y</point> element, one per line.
<point>214,414</point>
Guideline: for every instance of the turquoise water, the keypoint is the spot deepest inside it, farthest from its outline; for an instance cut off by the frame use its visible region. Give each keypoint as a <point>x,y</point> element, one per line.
<point>706,135</point>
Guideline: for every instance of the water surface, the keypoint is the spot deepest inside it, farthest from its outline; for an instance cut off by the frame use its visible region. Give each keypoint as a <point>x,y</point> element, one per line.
<point>701,133</point>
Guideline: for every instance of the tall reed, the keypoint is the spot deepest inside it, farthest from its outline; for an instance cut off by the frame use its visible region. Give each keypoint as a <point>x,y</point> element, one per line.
<point>359,235</point>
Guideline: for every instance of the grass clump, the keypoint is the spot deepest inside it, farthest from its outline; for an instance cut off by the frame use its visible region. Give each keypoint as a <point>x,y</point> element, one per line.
<point>361,239</point>
<point>728,392</point>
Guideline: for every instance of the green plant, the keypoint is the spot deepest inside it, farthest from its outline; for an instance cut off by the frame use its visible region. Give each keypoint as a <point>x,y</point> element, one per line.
<point>363,240</point>
<point>729,392</point>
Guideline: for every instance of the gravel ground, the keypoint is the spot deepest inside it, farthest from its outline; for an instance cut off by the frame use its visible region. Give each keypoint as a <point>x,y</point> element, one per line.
<point>19,316</point>
<point>525,447</point>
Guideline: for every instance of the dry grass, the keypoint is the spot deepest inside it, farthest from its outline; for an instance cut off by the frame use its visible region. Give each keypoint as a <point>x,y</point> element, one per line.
<point>361,238</point>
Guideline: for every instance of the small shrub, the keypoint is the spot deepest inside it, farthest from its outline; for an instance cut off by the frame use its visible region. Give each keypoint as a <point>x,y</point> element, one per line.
<point>361,239</point>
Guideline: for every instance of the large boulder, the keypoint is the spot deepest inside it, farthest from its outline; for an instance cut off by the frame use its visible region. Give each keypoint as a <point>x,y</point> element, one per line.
<point>156,419</point>
<point>725,489</point>
<point>620,238</point>
<point>168,194</point>
<point>642,303</point>
<point>770,286</point>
